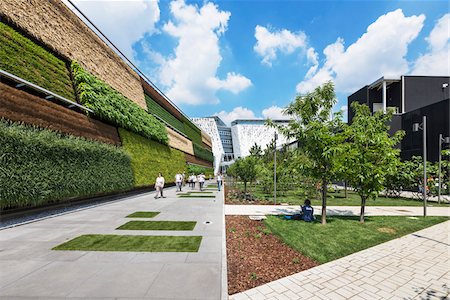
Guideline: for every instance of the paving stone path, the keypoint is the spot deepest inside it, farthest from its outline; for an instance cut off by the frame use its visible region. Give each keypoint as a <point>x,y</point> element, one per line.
<point>30,269</point>
<point>416,266</point>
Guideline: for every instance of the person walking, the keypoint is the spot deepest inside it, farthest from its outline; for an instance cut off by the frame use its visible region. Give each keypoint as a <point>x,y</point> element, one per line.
<point>179,181</point>
<point>159,186</point>
<point>194,180</point>
<point>219,181</point>
<point>201,181</point>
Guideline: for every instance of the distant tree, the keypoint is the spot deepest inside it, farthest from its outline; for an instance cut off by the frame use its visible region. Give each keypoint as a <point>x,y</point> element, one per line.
<point>318,134</point>
<point>368,155</point>
<point>401,177</point>
<point>256,150</point>
<point>245,170</point>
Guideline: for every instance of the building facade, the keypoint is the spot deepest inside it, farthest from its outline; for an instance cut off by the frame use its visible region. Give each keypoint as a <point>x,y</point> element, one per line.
<point>411,98</point>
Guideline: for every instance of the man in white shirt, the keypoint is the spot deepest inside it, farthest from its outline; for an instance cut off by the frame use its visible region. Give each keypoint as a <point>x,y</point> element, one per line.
<point>159,186</point>
<point>219,181</point>
<point>201,181</point>
<point>179,181</point>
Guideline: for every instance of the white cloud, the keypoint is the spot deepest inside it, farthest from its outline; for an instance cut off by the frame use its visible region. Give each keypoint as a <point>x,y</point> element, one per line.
<point>344,108</point>
<point>123,22</point>
<point>237,113</point>
<point>436,61</point>
<point>189,75</point>
<point>274,112</point>
<point>283,41</point>
<point>380,51</point>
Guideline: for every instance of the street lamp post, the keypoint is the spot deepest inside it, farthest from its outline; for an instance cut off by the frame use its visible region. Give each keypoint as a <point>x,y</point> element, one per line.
<point>441,141</point>
<point>275,170</point>
<point>416,127</point>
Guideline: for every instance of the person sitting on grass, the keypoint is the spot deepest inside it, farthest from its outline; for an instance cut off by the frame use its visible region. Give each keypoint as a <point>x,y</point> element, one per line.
<point>307,211</point>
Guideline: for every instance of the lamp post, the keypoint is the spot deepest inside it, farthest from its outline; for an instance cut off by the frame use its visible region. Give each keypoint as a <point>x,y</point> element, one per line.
<point>442,140</point>
<point>275,170</point>
<point>423,127</point>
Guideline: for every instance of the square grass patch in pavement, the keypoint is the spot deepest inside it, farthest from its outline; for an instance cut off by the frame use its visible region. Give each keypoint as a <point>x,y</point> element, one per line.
<point>143,214</point>
<point>157,225</point>
<point>132,243</point>
<point>195,196</point>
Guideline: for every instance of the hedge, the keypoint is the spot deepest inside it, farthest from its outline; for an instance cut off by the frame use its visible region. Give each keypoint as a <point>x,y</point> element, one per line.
<point>39,166</point>
<point>26,59</point>
<point>148,158</point>
<point>196,169</point>
<point>203,153</point>
<point>114,108</point>
<point>154,108</point>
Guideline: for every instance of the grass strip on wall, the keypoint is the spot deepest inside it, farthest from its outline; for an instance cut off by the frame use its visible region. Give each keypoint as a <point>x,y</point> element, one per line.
<point>24,58</point>
<point>203,153</point>
<point>154,108</point>
<point>132,243</point>
<point>157,225</point>
<point>114,108</point>
<point>148,158</point>
<point>342,236</point>
<point>39,166</point>
<point>143,214</point>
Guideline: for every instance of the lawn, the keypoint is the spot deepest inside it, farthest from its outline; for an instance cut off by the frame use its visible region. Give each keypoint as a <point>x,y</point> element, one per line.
<point>342,236</point>
<point>143,214</point>
<point>132,243</point>
<point>337,198</point>
<point>157,225</point>
<point>186,195</point>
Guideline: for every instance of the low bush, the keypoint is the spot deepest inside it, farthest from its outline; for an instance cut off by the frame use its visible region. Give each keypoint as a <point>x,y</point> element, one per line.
<point>114,108</point>
<point>22,57</point>
<point>203,153</point>
<point>148,158</point>
<point>39,166</point>
<point>196,169</point>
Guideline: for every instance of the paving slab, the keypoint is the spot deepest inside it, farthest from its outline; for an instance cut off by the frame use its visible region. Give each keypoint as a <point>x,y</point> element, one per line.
<point>31,270</point>
<point>398,269</point>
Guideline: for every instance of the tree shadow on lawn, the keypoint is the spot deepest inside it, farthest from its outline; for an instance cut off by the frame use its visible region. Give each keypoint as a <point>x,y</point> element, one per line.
<point>330,219</point>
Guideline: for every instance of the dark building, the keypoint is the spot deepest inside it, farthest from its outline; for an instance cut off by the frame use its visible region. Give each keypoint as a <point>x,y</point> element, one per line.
<point>411,97</point>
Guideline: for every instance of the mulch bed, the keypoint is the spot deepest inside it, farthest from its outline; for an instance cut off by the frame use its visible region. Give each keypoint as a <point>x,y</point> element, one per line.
<point>230,200</point>
<point>255,256</point>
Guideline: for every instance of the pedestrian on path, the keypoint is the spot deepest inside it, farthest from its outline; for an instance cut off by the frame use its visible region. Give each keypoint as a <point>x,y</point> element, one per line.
<point>219,181</point>
<point>179,181</point>
<point>193,181</point>
<point>159,186</point>
<point>201,181</point>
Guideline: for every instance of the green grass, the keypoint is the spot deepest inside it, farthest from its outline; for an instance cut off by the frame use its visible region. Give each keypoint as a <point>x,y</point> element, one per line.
<point>132,243</point>
<point>197,192</point>
<point>157,225</point>
<point>342,236</point>
<point>195,196</point>
<point>143,214</point>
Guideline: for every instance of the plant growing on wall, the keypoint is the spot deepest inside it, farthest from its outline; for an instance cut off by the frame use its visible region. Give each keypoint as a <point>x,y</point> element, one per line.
<point>114,108</point>
<point>203,153</point>
<point>38,166</point>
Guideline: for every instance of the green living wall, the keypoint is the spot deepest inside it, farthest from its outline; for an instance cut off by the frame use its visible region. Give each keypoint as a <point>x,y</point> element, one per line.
<point>203,153</point>
<point>39,166</point>
<point>22,57</point>
<point>161,112</point>
<point>148,158</point>
<point>193,133</point>
<point>114,108</point>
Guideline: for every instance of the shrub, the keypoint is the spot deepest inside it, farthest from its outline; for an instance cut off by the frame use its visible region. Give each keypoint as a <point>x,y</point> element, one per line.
<point>203,153</point>
<point>148,158</point>
<point>114,108</point>
<point>39,166</point>
<point>196,169</point>
<point>26,59</point>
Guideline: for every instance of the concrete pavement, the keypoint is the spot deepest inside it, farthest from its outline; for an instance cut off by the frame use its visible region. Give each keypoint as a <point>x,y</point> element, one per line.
<point>416,266</point>
<point>30,269</point>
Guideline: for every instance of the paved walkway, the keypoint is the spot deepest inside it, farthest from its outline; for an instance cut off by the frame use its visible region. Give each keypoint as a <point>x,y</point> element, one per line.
<point>247,210</point>
<point>416,266</point>
<point>29,269</point>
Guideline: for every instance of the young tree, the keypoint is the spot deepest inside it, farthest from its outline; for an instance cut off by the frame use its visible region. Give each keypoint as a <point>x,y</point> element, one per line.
<point>256,150</point>
<point>245,170</point>
<point>368,155</point>
<point>318,134</point>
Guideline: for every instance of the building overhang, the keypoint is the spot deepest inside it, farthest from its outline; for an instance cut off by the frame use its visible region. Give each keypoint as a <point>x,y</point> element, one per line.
<point>378,84</point>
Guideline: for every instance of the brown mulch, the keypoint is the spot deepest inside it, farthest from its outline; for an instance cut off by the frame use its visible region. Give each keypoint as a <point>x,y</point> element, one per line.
<point>255,256</point>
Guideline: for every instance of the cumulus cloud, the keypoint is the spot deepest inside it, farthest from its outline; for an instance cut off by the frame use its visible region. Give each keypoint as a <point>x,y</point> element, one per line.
<point>123,22</point>
<point>269,43</point>
<point>189,75</point>
<point>274,112</point>
<point>237,113</point>
<point>436,60</point>
<point>380,51</point>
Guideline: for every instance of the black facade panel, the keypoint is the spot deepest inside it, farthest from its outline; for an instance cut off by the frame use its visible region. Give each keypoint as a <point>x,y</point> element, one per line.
<point>359,96</point>
<point>438,122</point>
<point>396,125</point>
<point>394,95</point>
<point>421,91</point>
<point>375,96</point>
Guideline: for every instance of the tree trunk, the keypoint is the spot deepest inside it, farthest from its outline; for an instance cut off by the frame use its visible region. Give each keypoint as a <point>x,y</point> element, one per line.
<point>363,206</point>
<point>345,188</point>
<point>245,190</point>
<point>324,202</point>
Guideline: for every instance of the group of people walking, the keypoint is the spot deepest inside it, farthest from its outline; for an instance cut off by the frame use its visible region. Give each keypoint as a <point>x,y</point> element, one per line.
<point>180,181</point>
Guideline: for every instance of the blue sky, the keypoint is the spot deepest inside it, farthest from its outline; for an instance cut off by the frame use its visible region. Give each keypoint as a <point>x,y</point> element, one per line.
<point>243,59</point>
